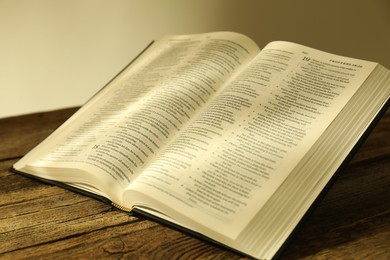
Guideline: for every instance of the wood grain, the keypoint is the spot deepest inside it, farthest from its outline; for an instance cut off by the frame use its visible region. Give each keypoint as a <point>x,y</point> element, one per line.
<point>43,221</point>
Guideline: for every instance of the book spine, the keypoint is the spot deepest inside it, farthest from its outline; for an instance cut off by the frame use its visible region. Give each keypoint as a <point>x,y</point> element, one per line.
<point>118,206</point>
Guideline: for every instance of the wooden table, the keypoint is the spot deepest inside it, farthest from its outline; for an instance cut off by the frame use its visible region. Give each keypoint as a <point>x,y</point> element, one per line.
<point>39,220</point>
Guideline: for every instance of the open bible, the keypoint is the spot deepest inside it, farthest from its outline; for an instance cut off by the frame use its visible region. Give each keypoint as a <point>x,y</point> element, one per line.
<point>211,134</point>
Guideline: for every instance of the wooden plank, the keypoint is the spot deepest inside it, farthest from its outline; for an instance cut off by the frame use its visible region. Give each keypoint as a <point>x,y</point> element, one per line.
<point>43,221</point>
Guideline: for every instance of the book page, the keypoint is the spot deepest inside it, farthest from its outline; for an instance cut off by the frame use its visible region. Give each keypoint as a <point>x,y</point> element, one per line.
<point>222,169</point>
<point>121,130</point>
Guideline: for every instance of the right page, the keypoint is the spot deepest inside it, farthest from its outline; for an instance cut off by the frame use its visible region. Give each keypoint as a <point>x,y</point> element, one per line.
<point>229,161</point>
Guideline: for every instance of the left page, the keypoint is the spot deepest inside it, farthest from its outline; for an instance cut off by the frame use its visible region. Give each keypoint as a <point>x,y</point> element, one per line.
<point>108,142</point>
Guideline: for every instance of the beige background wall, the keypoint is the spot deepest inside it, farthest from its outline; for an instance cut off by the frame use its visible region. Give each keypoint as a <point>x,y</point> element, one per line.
<point>58,53</point>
